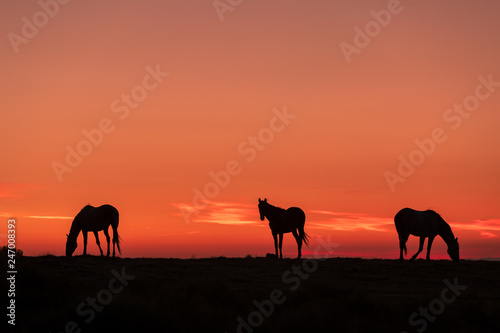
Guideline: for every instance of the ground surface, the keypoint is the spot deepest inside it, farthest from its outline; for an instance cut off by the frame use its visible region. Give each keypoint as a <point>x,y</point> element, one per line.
<point>96,294</point>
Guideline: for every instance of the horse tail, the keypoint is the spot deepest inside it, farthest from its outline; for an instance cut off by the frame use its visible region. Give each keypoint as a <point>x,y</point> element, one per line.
<point>118,239</point>
<point>304,237</point>
<point>302,233</point>
<point>116,236</point>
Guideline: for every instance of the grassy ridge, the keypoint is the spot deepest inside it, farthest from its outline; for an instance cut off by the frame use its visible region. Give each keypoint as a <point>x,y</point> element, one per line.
<point>209,295</point>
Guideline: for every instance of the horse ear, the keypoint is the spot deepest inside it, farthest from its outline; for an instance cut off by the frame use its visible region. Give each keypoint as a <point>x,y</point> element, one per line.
<point>456,239</point>
<point>265,199</point>
<point>260,200</point>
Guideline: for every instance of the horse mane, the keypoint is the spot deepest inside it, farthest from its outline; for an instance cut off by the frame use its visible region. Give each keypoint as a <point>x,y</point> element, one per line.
<point>84,209</point>
<point>76,221</point>
<point>436,215</point>
<point>274,209</point>
<point>272,206</point>
<point>446,227</point>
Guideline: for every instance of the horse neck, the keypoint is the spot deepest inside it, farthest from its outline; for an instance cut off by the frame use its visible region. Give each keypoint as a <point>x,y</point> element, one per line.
<point>446,234</point>
<point>75,229</point>
<point>273,212</point>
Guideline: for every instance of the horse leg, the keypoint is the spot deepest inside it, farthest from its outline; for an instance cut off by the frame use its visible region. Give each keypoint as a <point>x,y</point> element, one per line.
<point>275,236</point>
<point>402,246</point>
<point>420,248</point>
<point>97,241</point>
<point>281,245</point>
<point>429,245</point>
<point>107,239</point>
<point>84,242</point>
<point>299,242</point>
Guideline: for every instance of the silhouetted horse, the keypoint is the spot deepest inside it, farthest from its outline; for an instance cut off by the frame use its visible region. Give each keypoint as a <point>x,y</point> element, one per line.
<point>282,221</point>
<point>424,224</point>
<point>93,219</point>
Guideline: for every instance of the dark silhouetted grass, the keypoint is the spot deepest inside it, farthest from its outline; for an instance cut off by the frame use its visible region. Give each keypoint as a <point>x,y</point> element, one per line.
<point>207,295</point>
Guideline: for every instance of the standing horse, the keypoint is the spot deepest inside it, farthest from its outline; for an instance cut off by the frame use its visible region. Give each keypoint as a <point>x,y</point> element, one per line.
<point>425,224</point>
<point>93,219</point>
<point>282,221</point>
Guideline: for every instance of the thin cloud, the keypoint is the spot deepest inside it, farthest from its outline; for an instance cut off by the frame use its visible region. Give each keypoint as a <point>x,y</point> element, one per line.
<point>44,217</point>
<point>226,213</point>
<point>193,232</point>
<point>487,234</point>
<point>491,224</point>
<point>232,213</point>
<point>486,228</point>
<point>50,217</point>
<point>329,212</point>
<point>343,221</point>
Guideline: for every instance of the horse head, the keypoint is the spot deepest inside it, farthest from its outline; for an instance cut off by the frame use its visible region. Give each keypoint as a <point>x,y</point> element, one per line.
<point>70,245</point>
<point>453,250</point>
<point>262,208</point>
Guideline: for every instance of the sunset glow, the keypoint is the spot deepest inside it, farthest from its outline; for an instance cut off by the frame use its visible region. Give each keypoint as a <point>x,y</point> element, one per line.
<point>182,114</point>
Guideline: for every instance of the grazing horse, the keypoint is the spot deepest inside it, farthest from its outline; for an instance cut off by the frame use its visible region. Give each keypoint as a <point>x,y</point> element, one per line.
<point>93,219</point>
<point>425,224</point>
<point>282,221</point>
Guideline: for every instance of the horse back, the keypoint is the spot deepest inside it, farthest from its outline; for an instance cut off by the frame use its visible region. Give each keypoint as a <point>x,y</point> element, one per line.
<point>100,218</point>
<point>418,223</point>
<point>290,220</point>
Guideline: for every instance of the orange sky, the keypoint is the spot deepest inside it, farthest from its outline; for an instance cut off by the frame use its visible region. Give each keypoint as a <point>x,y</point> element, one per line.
<point>313,105</point>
